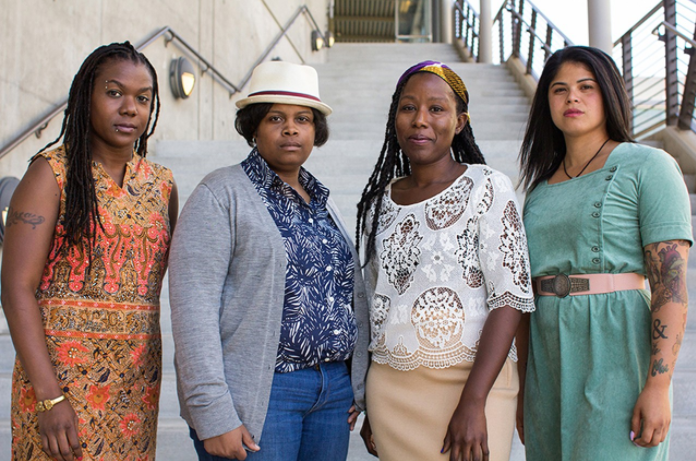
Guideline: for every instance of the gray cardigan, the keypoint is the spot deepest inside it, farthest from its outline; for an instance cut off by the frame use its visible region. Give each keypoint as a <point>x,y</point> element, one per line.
<point>227,287</point>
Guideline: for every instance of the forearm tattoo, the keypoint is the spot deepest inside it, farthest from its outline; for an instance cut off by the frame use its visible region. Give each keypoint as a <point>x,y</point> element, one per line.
<point>18,217</point>
<point>666,269</point>
<point>659,368</point>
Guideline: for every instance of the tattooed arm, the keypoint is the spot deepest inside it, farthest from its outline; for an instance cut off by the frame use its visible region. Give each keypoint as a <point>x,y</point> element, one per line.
<point>666,264</point>
<point>29,229</point>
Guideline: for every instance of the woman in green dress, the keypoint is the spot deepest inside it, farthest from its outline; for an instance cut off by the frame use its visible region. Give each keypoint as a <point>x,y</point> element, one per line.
<point>601,214</point>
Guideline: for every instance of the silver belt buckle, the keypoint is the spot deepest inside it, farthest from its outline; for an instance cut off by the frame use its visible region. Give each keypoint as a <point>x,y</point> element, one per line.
<point>561,285</point>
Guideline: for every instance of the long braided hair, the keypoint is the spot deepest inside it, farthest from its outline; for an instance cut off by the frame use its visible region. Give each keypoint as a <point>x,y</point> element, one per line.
<point>393,163</point>
<point>81,207</point>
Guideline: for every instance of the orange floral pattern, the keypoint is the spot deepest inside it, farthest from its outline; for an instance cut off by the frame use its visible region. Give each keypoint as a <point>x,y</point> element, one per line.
<point>101,319</point>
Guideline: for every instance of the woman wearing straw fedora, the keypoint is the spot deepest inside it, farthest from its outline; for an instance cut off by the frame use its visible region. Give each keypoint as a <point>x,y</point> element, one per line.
<point>268,304</point>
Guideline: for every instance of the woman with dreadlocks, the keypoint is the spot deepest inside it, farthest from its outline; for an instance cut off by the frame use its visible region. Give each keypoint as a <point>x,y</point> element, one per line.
<point>448,275</point>
<point>85,250</point>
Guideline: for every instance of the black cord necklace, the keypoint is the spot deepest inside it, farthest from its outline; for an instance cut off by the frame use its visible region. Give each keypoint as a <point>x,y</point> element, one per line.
<point>586,165</point>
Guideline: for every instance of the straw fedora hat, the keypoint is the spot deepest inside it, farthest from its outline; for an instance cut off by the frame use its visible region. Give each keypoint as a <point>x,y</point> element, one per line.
<point>283,82</point>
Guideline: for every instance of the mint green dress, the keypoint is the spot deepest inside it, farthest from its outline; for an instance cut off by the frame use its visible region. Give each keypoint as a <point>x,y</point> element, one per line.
<point>589,355</point>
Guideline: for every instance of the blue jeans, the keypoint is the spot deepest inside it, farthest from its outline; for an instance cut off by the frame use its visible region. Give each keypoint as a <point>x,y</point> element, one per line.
<point>307,418</point>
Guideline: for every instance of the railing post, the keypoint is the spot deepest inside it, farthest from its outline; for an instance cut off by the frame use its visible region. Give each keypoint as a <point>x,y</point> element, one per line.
<point>671,81</point>
<point>502,39</point>
<point>517,29</point>
<point>530,54</point>
<point>627,64</point>
<point>549,37</point>
<point>686,114</point>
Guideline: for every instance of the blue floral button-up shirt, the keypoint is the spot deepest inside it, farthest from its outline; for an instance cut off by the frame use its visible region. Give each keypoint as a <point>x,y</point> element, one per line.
<point>318,322</point>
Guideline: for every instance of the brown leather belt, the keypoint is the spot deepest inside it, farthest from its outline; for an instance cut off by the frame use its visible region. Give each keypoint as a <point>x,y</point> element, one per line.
<point>563,285</point>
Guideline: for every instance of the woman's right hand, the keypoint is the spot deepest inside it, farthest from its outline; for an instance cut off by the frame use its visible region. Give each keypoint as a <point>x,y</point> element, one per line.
<point>520,416</point>
<point>59,429</point>
<point>231,444</point>
<point>366,434</point>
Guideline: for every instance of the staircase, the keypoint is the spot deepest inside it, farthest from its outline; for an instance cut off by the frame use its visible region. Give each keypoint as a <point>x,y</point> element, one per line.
<point>357,81</point>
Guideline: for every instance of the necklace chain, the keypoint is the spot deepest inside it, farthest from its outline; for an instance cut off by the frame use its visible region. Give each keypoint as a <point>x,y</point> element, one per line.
<point>586,165</point>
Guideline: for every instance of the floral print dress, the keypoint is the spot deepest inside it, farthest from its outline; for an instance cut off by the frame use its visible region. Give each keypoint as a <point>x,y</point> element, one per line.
<point>101,320</point>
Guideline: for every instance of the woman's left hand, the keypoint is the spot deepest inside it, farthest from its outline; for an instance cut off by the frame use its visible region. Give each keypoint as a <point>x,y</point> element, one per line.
<point>353,414</point>
<point>651,416</point>
<point>467,436</point>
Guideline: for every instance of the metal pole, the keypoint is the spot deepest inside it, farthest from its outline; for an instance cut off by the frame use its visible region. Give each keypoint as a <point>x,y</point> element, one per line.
<point>485,33</point>
<point>599,24</point>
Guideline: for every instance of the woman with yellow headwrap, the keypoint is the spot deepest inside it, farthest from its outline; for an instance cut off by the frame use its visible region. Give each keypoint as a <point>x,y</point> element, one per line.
<point>448,279</point>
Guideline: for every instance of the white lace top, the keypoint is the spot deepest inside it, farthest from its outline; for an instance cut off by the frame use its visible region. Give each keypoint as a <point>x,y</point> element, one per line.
<point>441,265</point>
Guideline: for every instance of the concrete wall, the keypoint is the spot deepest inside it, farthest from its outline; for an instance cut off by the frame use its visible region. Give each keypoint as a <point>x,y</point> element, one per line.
<point>43,43</point>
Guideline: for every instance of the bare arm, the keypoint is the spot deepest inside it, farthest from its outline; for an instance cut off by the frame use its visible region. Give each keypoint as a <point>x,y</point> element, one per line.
<point>30,224</point>
<point>467,435</point>
<point>522,342</point>
<point>666,264</point>
<point>173,207</point>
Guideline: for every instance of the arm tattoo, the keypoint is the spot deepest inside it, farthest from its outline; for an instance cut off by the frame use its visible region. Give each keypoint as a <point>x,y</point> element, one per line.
<point>654,350</point>
<point>659,368</point>
<point>658,330</point>
<point>666,269</point>
<point>17,217</point>
<point>677,345</point>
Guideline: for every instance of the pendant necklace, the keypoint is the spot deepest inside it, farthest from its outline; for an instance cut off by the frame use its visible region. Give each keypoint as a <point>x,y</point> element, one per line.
<point>586,165</point>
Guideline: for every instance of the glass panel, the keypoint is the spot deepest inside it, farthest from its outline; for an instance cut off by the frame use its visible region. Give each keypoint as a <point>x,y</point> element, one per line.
<point>413,18</point>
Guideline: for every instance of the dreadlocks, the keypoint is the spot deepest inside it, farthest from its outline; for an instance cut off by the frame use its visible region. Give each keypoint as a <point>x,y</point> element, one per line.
<point>393,163</point>
<point>81,208</point>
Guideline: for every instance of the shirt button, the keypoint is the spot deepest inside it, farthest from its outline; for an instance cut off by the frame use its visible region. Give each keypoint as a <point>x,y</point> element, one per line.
<point>608,178</point>
<point>359,354</point>
<point>595,214</point>
<point>361,295</point>
<point>613,169</point>
<point>598,204</point>
<point>596,260</point>
<point>595,249</point>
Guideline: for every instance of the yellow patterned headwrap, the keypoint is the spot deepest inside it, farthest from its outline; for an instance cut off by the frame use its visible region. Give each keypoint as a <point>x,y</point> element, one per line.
<point>442,71</point>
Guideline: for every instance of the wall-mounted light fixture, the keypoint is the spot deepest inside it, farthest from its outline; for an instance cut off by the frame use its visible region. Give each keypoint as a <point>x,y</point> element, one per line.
<point>181,77</point>
<point>317,40</point>
<point>330,39</point>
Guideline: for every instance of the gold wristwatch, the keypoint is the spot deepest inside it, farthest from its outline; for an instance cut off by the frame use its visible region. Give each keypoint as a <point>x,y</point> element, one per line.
<point>46,405</point>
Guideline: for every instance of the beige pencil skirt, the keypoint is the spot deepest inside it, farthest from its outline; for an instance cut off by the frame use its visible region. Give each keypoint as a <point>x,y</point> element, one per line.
<point>409,411</point>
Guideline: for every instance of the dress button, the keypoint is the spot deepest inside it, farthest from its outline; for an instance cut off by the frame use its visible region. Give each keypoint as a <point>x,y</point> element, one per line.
<point>595,249</point>
<point>324,241</point>
<point>608,178</point>
<point>331,299</point>
<point>337,332</point>
<point>596,260</point>
<point>328,268</point>
<point>596,214</point>
<point>327,359</point>
<point>310,220</point>
<point>598,204</point>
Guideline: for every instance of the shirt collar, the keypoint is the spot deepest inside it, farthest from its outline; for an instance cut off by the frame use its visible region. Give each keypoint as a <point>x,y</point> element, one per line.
<point>261,174</point>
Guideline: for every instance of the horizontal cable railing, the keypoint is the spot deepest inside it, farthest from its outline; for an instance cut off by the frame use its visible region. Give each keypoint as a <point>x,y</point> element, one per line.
<point>206,67</point>
<point>656,57</point>
<point>466,27</point>
<point>521,30</point>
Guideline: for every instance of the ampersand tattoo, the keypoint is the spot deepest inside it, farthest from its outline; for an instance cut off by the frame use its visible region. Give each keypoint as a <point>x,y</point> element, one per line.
<point>658,330</point>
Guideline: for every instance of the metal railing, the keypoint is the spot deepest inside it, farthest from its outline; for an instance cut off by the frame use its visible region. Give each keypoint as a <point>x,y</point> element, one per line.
<point>206,67</point>
<point>658,62</point>
<point>466,27</point>
<point>524,32</point>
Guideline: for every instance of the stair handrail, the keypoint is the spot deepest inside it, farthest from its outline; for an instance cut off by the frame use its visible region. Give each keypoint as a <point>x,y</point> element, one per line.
<point>516,10</point>
<point>665,97</point>
<point>170,35</point>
